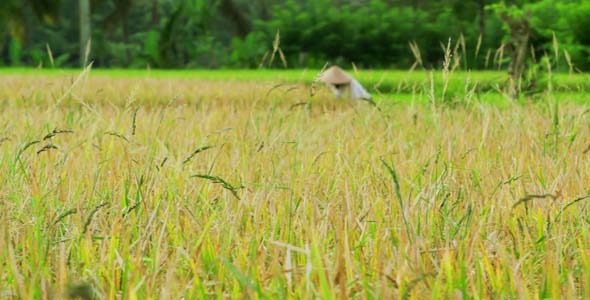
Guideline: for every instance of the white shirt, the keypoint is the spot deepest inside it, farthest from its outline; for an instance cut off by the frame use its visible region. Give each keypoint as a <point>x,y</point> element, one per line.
<point>357,91</point>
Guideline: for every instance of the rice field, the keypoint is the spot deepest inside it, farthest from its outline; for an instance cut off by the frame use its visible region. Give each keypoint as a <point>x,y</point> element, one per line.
<point>193,187</point>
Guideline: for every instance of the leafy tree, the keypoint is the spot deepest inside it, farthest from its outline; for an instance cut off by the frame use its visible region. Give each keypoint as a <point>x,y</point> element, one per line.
<point>239,33</point>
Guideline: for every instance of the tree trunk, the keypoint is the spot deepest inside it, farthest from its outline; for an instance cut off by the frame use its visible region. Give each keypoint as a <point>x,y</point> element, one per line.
<point>124,8</point>
<point>482,17</point>
<point>155,13</point>
<point>85,29</point>
<point>265,7</point>
<point>518,45</point>
<point>126,40</point>
<point>233,13</point>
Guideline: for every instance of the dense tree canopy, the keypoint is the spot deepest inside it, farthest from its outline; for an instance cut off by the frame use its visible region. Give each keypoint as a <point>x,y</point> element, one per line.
<point>240,33</point>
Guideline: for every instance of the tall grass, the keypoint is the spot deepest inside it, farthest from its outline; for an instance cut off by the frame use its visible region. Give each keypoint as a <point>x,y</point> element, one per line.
<point>157,188</point>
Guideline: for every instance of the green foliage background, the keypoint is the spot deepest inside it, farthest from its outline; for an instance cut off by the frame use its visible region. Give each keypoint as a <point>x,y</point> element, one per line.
<point>240,33</point>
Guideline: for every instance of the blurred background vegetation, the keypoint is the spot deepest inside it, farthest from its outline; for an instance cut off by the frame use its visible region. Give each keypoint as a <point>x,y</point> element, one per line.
<point>240,33</point>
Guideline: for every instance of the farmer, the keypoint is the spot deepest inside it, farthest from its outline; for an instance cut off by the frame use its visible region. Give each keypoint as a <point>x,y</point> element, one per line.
<point>339,81</point>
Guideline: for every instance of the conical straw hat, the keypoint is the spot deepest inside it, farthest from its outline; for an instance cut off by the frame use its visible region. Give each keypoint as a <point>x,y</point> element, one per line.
<point>335,75</point>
